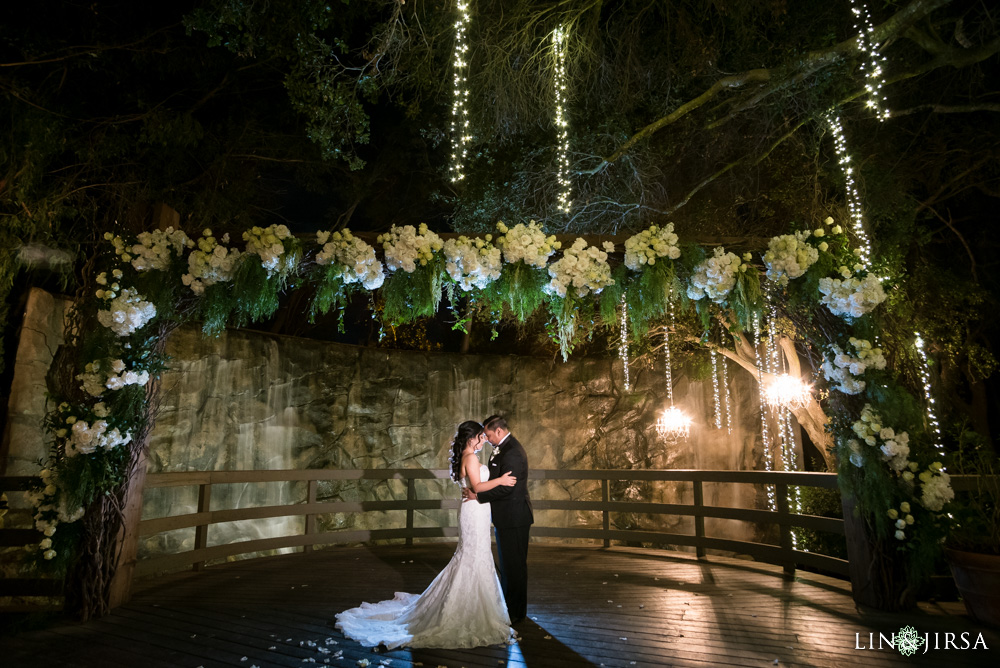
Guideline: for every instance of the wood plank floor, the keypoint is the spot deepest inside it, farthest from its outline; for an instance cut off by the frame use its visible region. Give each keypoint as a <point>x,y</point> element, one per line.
<point>617,607</point>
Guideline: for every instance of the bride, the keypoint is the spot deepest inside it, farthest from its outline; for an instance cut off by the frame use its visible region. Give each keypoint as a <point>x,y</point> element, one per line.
<point>463,606</point>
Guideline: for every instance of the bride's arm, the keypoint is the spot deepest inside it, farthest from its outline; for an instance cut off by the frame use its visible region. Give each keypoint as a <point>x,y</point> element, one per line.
<point>472,470</point>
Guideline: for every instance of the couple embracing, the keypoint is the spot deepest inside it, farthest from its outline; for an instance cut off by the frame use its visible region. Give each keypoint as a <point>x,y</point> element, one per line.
<point>466,605</point>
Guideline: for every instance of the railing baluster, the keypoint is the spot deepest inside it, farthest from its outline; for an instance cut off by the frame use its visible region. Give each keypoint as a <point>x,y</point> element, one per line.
<point>311,517</point>
<point>784,528</point>
<point>606,497</point>
<point>201,531</point>
<point>699,520</point>
<point>411,495</point>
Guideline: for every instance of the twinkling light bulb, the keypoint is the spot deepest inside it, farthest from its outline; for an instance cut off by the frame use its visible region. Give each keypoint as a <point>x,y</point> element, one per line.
<point>853,198</point>
<point>461,133</point>
<point>925,380</point>
<point>623,340</point>
<point>872,66</point>
<point>562,125</point>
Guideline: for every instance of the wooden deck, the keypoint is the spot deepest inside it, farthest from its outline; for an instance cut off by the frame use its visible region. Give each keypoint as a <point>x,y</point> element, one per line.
<point>587,607</point>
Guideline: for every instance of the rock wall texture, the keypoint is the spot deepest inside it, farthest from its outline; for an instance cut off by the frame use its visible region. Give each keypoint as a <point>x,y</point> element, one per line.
<point>249,400</point>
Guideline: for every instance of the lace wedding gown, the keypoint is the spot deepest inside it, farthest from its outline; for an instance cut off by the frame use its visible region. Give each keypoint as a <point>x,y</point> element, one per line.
<point>462,607</point>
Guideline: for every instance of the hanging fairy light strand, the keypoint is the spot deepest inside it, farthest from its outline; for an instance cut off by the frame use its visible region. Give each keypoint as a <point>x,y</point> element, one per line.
<point>925,380</point>
<point>765,436</point>
<point>853,198</point>
<point>715,388</point>
<point>562,125</point>
<point>872,66</point>
<point>673,423</point>
<point>725,392</point>
<point>461,134</point>
<point>623,341</point>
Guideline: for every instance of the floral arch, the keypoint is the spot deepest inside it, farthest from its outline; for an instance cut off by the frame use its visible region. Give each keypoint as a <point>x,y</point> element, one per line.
<point>869,415</point>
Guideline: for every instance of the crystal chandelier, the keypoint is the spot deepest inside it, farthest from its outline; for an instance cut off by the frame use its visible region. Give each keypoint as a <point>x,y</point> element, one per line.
<point>786,391</point>
<point>673,424</point>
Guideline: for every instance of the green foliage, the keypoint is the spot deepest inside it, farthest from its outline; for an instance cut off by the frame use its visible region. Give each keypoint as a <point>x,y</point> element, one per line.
<point>409,296</point>
<point>518,290</point>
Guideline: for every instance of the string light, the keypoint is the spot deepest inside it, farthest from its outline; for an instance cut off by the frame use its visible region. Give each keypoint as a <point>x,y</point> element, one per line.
<point>715,387</point>
<point>673,423</point>
<point>925,380</point>
<point>623,341</point>
<point>562,125</point>
<point>853,199</point>
<point>460,127</point>
<point>725,387</point>
<point>790,462</point>
<point>765,436</point>
<point>872,66</point>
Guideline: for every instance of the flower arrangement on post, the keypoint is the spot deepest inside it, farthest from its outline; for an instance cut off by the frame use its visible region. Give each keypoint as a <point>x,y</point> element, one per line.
<point>413,258</point>
<point>650,254</point>
<point>526,251</point>
<point>345,264</point>
<point>581,271</point>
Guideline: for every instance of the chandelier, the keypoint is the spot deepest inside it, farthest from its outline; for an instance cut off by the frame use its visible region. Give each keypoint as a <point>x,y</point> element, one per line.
<point>786,391</point>
<point>673,424</point>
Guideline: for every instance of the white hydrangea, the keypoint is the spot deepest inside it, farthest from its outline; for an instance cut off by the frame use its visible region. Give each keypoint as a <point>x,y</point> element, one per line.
<point>715,277</point>
<point>895,446</point>
<point>85,438</point>
<point>844,370</point>
<point>472,263</point>
<point>526,243</point>
<point>650,244</point>
<point>851,297</point>
<point>354,255</point>
<point>153,250</point>
<point>935,488</point>
<point>95,379</point>
<point>267,243</point>
<point>583,268</point>
<point>789,256</point>
<point>126,313</point>
<point>406,247</point>
<point>210,263</point>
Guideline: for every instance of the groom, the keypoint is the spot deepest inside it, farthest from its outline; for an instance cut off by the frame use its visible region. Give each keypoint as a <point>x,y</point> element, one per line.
<point>512,516</point>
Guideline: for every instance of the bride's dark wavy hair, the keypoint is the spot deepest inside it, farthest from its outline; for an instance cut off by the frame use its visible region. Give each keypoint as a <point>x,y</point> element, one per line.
<point>466,430</point>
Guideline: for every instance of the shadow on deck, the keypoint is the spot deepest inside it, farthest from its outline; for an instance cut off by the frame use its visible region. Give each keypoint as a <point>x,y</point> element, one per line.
<point>588,606</point>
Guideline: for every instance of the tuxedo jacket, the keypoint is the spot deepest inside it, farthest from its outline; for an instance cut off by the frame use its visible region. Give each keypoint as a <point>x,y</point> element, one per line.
<point>510,506</point>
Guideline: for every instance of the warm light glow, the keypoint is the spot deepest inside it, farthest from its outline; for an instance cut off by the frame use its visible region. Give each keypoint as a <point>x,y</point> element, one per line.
<point>772,503</point>
<point>460,135</point>
<point>562,125</point>
<point>786,391</point>
<point>673,424</point>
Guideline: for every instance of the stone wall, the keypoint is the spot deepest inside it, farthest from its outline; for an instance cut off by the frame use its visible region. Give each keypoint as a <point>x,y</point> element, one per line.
<point>249,400</point>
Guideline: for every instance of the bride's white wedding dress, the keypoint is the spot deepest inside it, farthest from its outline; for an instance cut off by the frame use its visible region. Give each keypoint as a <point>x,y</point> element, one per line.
<point>462,607</point>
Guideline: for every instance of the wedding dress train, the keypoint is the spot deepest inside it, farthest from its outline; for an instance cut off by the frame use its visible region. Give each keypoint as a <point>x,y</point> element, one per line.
<point>462,607</point>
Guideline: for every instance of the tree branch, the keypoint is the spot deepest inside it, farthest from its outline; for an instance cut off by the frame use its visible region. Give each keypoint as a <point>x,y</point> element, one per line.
<point>780,77</point>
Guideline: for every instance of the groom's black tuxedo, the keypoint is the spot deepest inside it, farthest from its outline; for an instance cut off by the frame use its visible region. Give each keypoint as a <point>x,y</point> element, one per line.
<point>512,517</point>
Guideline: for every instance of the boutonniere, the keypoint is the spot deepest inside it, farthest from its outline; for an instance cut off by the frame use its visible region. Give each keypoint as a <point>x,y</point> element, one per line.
<point>493,455</point>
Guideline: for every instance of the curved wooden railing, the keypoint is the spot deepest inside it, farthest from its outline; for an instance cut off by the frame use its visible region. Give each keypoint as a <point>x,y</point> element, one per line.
<point>782,554</point>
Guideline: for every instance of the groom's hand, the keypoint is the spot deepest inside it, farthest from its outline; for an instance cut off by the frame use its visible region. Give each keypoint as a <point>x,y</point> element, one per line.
<point>468,494</point>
